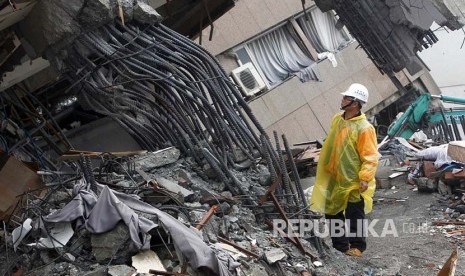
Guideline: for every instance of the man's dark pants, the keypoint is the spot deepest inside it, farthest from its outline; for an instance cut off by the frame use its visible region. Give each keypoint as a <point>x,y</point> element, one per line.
<point>353,212</point>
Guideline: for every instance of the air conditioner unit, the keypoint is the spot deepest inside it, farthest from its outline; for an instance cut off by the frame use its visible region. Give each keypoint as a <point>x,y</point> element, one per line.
<point>247,77</point>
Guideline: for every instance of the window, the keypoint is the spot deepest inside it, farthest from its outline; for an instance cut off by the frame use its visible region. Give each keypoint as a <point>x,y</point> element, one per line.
<point>322,33</point>
<point>290,48</point>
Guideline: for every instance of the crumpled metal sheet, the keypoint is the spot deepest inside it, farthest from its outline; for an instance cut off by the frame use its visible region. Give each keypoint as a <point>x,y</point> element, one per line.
<point>102,214</point>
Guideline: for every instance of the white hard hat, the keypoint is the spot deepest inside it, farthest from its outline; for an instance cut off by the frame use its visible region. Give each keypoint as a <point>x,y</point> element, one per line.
<point>358,91</point>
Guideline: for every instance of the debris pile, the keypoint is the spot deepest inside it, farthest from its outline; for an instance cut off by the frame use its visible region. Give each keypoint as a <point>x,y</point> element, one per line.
<point>152,212</point>
<point>431,169</point>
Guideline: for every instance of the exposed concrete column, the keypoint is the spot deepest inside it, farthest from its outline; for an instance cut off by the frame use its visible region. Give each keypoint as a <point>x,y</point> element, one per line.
<point>54,24</point>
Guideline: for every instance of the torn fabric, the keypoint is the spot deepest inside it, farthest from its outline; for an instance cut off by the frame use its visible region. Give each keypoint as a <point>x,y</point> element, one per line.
<point>102,214</point>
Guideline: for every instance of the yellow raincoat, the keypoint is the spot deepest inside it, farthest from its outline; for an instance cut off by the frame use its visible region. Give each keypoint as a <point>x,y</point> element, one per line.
<point>349,155</point>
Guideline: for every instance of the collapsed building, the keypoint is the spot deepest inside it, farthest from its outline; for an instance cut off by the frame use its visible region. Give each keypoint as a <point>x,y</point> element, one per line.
<point>113,120</point>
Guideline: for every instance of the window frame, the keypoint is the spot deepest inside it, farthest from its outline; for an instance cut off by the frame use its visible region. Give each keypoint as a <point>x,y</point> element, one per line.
<point>292,21</point>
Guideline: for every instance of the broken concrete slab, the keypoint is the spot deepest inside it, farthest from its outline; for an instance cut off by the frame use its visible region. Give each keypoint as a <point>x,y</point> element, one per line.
<point>96,12</point>
<point>173,187</point>
<point>51,23</point>
<point>426,185</point>
<point>184,178</point>
<point>274,255</point>
<point>152,160</point>
<point>239,155</point>
<point>256,270</point>
<point>145,14</point>
<point>69,257</point>
<point>264,177</point>
<point>111,245</point>
<point>146,260</point>
<point>444,189</point>
<point>236,254</point>
<point>64,269</point>
<point>117,270</point>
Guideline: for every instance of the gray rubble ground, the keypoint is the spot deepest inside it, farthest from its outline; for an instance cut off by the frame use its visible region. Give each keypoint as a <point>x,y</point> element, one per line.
<point>418,250</point>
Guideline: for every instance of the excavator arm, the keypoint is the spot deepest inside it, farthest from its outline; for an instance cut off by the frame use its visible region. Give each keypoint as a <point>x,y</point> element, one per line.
<point>420,113</point>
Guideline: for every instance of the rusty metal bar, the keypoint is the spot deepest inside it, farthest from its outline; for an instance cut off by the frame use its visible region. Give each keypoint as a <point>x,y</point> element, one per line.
<point>241,249</point>
<point>206,217</point>
<point>271,189</point>
<point>270,192</point>
<point>283,215</point>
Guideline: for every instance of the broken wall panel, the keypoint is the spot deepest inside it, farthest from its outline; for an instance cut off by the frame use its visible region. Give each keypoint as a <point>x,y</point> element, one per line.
<point>15,180</point>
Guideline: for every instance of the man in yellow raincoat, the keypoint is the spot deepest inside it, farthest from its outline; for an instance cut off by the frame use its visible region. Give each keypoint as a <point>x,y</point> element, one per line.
<point>346,169</point>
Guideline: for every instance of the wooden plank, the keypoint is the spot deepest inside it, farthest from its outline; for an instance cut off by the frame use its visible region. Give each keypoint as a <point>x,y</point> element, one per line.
<point>450,175</point>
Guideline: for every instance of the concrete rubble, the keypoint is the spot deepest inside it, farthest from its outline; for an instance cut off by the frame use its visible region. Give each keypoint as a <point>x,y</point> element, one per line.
<point>235,232</point>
